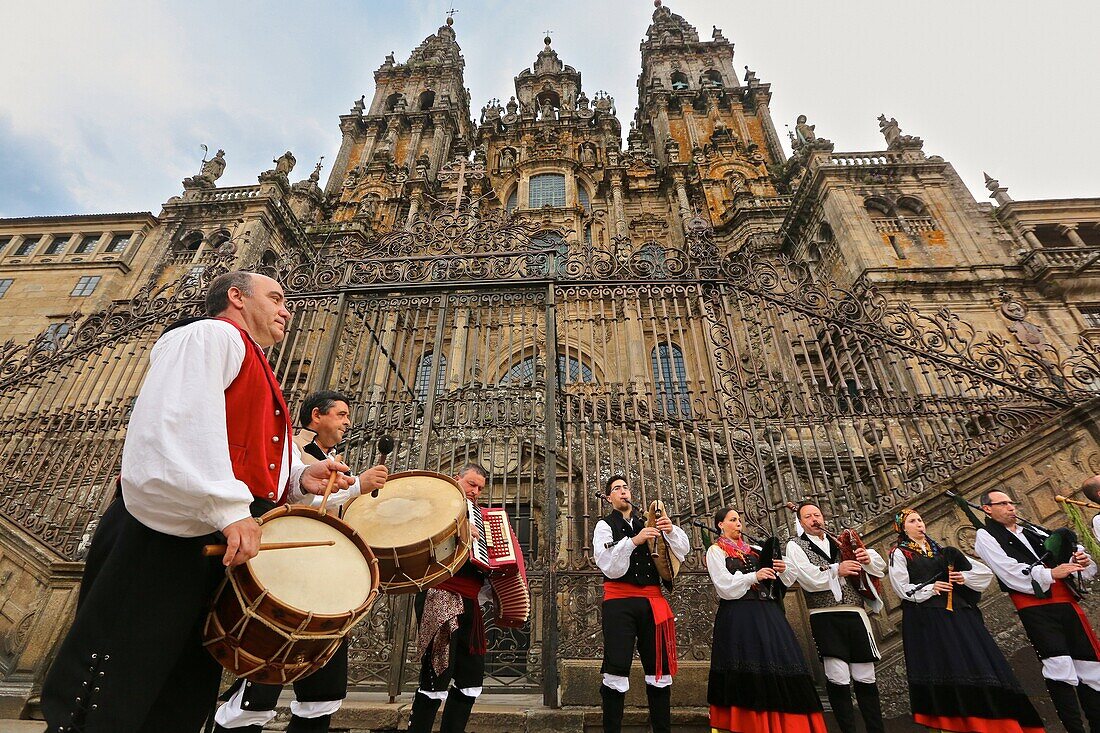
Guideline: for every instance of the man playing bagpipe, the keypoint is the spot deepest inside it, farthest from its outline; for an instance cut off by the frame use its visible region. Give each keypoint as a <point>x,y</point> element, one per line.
<point>1037,570</point>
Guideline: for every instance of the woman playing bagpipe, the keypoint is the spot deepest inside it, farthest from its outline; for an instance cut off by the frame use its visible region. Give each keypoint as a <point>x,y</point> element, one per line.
<point>759,680</point>
<point>958,678</point>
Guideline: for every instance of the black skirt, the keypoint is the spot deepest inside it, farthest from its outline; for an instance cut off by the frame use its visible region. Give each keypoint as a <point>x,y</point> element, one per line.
<point>756,662</point>
<point>956,671</point>
<point>844,635</point>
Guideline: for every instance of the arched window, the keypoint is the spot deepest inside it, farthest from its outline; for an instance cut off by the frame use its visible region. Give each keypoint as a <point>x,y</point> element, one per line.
<point>218,238</point>
<point>191,242</point>
<point>427,99</point>
<point>570,369</point>
<point>512,200</point>
<point>670,380</point>
<point>392,100</point>
<point>547,189</point>
<point>712,78</point>
<point>424,375</point>
<point>679,80</point>
<point>911,206</point>
<point>582,197</point>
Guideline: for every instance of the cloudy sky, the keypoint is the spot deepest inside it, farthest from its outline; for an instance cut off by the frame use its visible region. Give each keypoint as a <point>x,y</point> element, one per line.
<point>104,104</point>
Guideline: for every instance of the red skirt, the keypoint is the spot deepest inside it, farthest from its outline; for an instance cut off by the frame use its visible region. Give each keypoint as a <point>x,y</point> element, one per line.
<point>743,720</point>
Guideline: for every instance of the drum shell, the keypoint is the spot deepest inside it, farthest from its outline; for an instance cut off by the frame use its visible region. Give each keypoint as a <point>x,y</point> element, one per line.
<point>414,567</point>
<point>256,651</point>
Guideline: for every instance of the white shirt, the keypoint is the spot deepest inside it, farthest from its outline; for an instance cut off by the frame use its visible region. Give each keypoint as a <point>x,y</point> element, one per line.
<point>336,498</point>
<point>177,477</point>
<point>614,561</point>
<point>731,586</point>
<point>978,578</point>
<point>1096,526</point>
<point>1010,572</point>
<point>814,579</point>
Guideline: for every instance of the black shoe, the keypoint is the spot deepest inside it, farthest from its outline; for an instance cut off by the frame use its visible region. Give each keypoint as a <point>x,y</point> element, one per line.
<point>246,729</point>
<point>1064,698</point>
<point>456,713</point>
<point>660,708</point>
<point>422,716</point>
<point>613,702</point>
<point>840,698</point>
<point>309,725</point>
<point>869,706</point>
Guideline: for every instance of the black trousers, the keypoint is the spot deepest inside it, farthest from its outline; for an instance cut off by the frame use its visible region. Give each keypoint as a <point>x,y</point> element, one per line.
<point>328,683</point>
<point>133,661</point>
<point>465,669</point>
<point>628,623</point>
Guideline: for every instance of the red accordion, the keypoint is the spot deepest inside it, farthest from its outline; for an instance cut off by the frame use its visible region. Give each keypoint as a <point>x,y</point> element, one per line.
<point>497,553</point>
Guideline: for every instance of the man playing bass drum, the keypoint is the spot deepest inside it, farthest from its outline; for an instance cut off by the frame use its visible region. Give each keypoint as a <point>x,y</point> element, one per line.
<point>635,612</point>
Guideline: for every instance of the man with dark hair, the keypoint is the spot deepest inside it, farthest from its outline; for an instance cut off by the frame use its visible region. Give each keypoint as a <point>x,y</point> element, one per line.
<point>247,706</point>
<point>1053,621</point>
<point>634,610</point>
<point>208,448</point>
<point>451,636</point>
<point>838,617</point>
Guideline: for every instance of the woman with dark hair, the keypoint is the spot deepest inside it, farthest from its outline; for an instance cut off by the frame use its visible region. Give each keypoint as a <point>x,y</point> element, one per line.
<point>958,678</point>
<point>759,679</point>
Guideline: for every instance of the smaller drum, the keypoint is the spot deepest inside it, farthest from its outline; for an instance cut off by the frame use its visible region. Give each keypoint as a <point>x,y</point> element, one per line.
<point>418,527</point>
<point>283,614</point>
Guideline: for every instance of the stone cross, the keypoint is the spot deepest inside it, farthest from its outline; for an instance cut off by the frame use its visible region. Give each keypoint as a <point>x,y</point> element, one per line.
<point>459,170</point>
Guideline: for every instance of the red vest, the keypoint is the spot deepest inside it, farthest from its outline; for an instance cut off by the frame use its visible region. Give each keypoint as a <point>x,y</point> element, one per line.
<point>258,423</point>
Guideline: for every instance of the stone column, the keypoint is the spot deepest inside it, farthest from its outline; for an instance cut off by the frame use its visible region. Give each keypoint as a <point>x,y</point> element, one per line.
<point>1069,231</point>
<point>682,197</point>
<point>617,204</point>
<point>662,126</point>
<point>414,209</point>
<point>348,126</point>
<point>368,143</point>
<point>764,113</point>
<point>439,143</point>
<point>414,142</point>
<point>1029,235</point>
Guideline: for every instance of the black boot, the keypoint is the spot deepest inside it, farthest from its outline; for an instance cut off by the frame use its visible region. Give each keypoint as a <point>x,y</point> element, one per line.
<point>1090,704</point>
<point>456,712</point>
<point>1065,704</point>
<point>422,715</point>
<point>660,708</point>
<point>309,725</point>
<point>247,729</point>
<point>840,698</point>
<point>869,706</point>
<point>613,702</point>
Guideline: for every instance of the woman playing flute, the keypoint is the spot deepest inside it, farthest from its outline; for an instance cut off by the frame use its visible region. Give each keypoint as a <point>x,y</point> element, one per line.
<point>759,680</point>
<point>958,678</point>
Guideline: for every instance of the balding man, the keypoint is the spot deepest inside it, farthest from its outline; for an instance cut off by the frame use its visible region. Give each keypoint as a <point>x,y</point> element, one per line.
<point>208,448</point>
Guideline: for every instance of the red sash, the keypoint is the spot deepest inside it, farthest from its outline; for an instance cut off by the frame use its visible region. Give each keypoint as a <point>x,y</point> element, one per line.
<point>662,617</point>
<point>1059,593</point>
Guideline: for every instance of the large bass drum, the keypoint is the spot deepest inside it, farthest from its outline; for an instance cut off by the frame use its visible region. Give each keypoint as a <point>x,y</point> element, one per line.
<point>282,615</point>
<point>418,527</point>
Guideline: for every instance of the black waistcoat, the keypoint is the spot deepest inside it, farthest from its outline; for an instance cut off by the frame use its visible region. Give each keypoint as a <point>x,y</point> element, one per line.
<point>642,571</point>
<point>922,568</point>
<point>1014,546</point>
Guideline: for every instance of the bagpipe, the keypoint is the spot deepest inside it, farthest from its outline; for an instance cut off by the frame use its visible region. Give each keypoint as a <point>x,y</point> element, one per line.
<point>665,560</point>
<point>849,542</point>
<point>1059,544</point>
<point>951,559</point>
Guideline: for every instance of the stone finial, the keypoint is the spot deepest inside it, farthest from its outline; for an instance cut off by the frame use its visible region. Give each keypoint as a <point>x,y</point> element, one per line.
<point>997,192</point>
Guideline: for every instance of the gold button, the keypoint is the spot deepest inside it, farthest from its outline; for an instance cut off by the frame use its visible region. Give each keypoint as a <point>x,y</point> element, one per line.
<point>272,466</point>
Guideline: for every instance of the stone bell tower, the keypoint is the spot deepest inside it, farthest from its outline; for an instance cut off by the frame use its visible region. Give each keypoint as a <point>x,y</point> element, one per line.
<point>713,136</point>
<point>394,147</point>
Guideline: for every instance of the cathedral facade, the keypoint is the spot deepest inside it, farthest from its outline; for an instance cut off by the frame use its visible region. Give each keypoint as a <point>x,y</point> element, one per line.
<point>562,294</point>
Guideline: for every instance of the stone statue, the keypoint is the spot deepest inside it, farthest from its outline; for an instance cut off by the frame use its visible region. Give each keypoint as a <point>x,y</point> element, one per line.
<point>582,101</point>
<point>672,150</point>
<point>546,109</point>
<point>368,207</point>
<point>390,60</point>
<point>889,129</point>
<point>588,153</point>
<point>212,169</point>
<point>360,105</point>
<point>804,133</point>
<point>507,158</point>
<point>284,164</point>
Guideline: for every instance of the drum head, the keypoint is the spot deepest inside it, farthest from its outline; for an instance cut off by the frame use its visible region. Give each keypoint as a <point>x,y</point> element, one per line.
<point>410,508</point>
<point>322,580</point>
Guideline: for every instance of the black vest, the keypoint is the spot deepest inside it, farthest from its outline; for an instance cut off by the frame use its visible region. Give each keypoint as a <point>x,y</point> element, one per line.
<point>642,571</point>
<point>1014,547</point>
<point>922,568</point>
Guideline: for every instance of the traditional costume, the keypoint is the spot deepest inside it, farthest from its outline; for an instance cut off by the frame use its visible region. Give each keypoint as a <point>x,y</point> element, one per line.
<point>208,438</point>
<point>1052,620</point>
<point>759,681</point>
<point>451,647</point>
<point>958,679</point>
<point>635,614</point>
<point>247,706</point>
<point>841,627</point>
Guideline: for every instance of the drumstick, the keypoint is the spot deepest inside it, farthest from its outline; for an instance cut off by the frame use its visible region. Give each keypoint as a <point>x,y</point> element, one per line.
<point>385,447</point>
<point>328,489</point>
<point>215,550</point>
